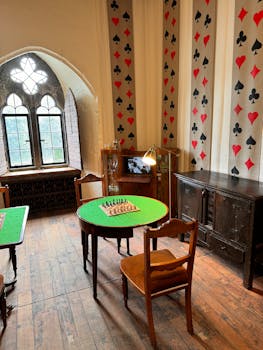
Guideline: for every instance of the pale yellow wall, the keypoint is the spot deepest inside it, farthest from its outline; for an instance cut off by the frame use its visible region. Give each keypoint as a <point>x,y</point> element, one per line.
<point>72,37</point>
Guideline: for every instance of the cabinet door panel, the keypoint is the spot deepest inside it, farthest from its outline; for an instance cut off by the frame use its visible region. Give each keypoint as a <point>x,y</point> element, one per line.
<point>190,200</point>
<point>225,250</point>
<point>232,218</point>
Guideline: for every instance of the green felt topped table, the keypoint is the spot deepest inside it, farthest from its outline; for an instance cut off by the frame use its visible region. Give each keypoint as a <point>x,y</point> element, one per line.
<point>94,221</point>
<point>150,210</point>
<point>12,232</point>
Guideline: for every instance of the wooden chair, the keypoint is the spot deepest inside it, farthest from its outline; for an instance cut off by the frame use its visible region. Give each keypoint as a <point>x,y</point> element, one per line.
<point>3,308</point>
<point>81,200</point>
<point>159,272</point>
<point>6,196</point>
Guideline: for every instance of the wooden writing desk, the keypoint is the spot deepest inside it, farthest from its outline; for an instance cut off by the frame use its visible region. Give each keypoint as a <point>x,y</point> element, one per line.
<point>93,220</point>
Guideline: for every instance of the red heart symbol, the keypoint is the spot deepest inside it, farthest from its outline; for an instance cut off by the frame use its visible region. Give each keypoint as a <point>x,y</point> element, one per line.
<point>171,119</point>
<point>172,54</point>
<point>122,141</point>
<point>207,1</point>
<point>166,51</point>
<point>203,117</point>
<point>117,84</point>
<point>206,39</point>
<point>165,141</point>
<point>166,15</point>
<point>236,149</point>
<point>252,116</point>
<point>130,120</point>
<point>196,72</point>
<point>165,81</point>
<point>194,143</point>
<point>127,61</point>
<point>240,60</point>
<point>115,20</point>
<point>258,17</point>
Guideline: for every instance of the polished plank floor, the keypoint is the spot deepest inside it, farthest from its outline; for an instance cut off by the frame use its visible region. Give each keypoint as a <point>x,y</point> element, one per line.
<point>54,308</point>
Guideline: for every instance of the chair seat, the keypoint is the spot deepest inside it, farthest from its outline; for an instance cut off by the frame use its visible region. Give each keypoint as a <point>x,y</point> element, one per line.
<point>133,268</point>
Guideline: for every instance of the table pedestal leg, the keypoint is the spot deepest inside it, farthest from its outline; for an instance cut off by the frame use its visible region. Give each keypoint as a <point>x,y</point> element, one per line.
<point>94,263</point>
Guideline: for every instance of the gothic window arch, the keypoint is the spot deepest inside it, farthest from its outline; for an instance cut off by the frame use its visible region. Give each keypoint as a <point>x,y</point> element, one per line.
<point>35,117</point>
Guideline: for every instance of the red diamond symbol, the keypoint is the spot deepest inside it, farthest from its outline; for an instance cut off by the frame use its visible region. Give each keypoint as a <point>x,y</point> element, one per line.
<point>120,115</point>
<point>117,55</point>
<point>172,89</point>
<point>166,51</point>
<point>173,21</point>
<point>255,71</point>
<point>127,32</point>
<point>207,2</point>
<point>197,36</point>
<point>238,109</point>
<point>205,81</point>
<point>242,14</point>
<point>202,155</point>
<point>165,113</point>
<point>195,110</point>
<point>249,163</point>
<point>129,94</point>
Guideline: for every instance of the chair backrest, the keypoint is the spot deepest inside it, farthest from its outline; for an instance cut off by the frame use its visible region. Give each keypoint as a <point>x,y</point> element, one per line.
<point>172,228</point>
<point>6,196</point>
<point>89,178</point>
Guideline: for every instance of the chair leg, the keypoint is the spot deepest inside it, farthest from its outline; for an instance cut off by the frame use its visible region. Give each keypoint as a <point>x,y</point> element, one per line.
<point>125,289</point>
<point>148,302</point>
<point>119,244</point>
<point>3,307</point>
<point>85,248</point>
<point>188,310</point>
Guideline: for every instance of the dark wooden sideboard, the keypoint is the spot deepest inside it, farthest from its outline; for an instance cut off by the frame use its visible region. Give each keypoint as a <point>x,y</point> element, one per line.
<point>229,210</point>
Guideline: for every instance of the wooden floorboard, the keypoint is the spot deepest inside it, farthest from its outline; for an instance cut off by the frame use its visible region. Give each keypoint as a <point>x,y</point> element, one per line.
<point>54,308</point>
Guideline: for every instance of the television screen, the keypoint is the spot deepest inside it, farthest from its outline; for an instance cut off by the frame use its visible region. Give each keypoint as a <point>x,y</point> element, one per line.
<point>135,165</point>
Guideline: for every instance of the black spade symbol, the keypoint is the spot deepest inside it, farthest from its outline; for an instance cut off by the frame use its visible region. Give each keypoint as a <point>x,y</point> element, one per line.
<point>239,86</point>
<point>165,127</point>
<point>250,142</point>
<point>194,128</point>
<point>131,135</point>
<point>205,61</point>
<point>166,66</point>
<point>207,20</point>
<point>198,16</point>
<point>116,39</point>
<point>172,105</point>
<point>241,38</point>
<point>195,93</point>
<point>174,3</point>
<point>193,161</point>
<point>203,137</point>
<point>165,98</point>
<point>204,100</point>
<point>130,108</point>
<point>120,128</point>
<point>253,96</point>
<point>196,55</point>
<point>234,171</point>
<point>127,48</point>
<point>172,73</point>
<point>173,40</point>
<point>171,136</point>
<point>114,5</point>
<point>128,79</point>
<point>256,46</point>
<point>166,34</point>
<point>119,100</point>
<point>126,16</point>
<point>237,130</point>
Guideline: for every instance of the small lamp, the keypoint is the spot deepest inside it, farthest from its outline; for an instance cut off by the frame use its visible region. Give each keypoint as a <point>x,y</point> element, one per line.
<point>150,159</point>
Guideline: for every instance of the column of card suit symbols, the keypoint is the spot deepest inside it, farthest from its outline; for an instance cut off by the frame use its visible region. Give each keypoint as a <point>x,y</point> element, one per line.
<point>203,52</point>
<point>170,72</point>
<point>247,91</point>
<point>122,70</point>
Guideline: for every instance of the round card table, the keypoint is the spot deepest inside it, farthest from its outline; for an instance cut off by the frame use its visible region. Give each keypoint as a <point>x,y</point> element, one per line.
<point>94,220</point>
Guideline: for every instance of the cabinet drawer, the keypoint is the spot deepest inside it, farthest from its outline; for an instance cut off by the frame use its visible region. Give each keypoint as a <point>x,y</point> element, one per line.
<point>225,250</point>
